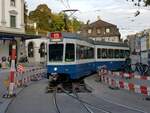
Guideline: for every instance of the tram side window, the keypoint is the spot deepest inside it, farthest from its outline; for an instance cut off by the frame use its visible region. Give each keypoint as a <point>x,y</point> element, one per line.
<point>104,53</point>
<point>84,52</point>
<point>55,52</point>
<point>91,53</point>
<point>78,52</point>
<point>99,53</point>
<point>121,54</point>
<point>70,53</point>
<point>110,53</point>
<point>116,53</point>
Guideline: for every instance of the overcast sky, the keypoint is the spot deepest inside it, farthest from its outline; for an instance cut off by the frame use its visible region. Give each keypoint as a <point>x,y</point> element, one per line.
<point>118,12</point>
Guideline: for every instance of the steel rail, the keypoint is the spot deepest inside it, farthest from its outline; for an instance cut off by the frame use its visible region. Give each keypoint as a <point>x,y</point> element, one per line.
<point>89,110</point>
<point>55,102</point>
<point>91,105</point>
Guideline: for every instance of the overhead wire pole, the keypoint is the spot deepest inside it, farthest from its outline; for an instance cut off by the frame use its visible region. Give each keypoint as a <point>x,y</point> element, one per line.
<point>67,5</point>
<point>65,17</point>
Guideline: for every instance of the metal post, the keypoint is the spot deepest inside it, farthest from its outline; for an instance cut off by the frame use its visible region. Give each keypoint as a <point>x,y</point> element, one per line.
<point>12,72</point>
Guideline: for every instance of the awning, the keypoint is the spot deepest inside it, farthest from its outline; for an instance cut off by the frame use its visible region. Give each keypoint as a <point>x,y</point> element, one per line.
<point>12,36</point>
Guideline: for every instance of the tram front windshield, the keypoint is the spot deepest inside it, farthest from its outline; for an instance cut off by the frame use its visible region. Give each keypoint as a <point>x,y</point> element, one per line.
<point>55,52</point>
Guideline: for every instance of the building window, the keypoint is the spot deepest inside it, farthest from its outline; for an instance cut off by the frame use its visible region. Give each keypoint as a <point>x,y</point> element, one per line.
<point>107,30</point>
<point>89,31</point>
<point>12,21</point>
<point>42,50</point>
<point>98,31</point>
<point>12,2</point>
<point>30,50</point>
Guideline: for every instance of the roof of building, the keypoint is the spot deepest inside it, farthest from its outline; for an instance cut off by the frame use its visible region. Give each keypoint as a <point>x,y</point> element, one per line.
<point>101,23</point>
<point>97,24</point>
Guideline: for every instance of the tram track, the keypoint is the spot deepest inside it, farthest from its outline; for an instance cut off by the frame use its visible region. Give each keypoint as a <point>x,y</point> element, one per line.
<point>91,107</point>
<point>55,102</point>
<point>74,95</point>
<point>85,104</point>
<point>103,107</point>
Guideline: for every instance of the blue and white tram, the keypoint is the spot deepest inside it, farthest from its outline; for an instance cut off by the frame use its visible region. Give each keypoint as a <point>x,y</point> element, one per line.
<point>72,57</point>
<point>113,55</point>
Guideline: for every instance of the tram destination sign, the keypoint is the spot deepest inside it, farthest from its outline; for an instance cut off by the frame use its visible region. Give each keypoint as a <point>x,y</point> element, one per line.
<point>56,37</point>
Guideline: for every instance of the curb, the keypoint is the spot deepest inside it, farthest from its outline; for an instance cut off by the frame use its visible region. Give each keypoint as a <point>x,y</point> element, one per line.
<point>90,88</point>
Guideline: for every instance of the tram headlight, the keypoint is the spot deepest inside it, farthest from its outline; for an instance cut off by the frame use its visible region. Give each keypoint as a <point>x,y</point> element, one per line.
<point>55,68</point>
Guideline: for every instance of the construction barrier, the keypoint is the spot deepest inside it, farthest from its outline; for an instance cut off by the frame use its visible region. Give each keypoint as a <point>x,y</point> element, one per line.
<point>130,75</point>
<point>21,79</point>
<point>102,70</point>
<point>142,89</point>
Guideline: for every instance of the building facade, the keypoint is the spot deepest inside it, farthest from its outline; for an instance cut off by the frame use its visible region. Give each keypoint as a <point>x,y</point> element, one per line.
<point>12,16</point>
<point>140,47</point>
<point>36,50</point>
<point>101,31</point>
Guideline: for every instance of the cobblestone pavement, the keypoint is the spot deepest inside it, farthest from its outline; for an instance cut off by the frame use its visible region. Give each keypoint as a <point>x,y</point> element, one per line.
<point>33,99</point>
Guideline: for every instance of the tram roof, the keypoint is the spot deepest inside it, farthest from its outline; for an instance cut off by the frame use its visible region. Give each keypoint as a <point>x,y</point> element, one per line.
<point>119,44</point>
<point>77,36</point>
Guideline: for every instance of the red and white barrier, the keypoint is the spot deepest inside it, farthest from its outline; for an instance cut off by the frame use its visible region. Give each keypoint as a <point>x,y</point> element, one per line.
<point>130,75</point>
<point>28,75</point>
<point>142,89</point>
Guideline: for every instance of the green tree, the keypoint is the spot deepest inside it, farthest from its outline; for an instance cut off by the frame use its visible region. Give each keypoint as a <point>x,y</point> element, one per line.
<point>147,2</point>
<point>48,22</point>
<point>41,16</point>
<point>57,23</point>
<point>138,2</point>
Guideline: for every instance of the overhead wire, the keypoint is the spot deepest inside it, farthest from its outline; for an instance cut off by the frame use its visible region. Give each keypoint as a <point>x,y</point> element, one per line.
<point>63,3</point>
<point>67,1</point>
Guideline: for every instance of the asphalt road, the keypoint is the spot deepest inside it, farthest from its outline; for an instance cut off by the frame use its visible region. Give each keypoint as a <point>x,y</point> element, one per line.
<point>33,99</point>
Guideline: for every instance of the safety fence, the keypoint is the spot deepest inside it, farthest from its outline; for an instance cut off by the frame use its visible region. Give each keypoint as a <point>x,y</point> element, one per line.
<point>21,79</point>
<point>130,75</point>
<point>107,77</point>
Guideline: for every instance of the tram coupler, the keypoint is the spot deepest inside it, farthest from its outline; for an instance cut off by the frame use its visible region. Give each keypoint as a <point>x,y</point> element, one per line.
<point>60,88</point>
<point>52,84</point>
<point>76,87</point>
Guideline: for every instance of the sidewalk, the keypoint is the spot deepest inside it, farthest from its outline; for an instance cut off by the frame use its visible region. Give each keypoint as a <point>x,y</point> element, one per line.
<point>121,97</point>
<point>4,103</point>
<point>26,79</point>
